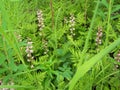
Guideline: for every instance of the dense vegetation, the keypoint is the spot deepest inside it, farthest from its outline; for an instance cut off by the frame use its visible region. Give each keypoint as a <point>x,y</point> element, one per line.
<point>60,44</point>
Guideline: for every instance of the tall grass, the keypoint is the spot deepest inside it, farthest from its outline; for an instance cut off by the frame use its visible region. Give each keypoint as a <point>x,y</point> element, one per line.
<point>71,61</point>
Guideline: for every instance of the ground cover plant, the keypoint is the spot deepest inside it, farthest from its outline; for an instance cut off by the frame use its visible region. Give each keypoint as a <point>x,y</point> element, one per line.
<point>59,45</point>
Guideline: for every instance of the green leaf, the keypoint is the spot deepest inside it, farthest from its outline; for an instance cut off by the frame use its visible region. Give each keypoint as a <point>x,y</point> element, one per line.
<point>104,2</point>
<point>83,69</point>
<point>2,58</point>
<point>116,8</point>
<point>12,65</point>
<point>60,52</point>
<point>3,70</point>
<point>106,88</point>
<point>21,67</point>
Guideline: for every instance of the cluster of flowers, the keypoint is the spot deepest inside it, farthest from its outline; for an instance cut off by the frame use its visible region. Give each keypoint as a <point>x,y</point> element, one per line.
<point>99,36</point>
<point>19,38</point>
<point>41,26</point>
<point>10,83</point>
<point>29,51</point>
<point>72,25</point>
<point>65,20</point>
<point>117,58</point>
<point>40,20</point>
<point>45,45</point>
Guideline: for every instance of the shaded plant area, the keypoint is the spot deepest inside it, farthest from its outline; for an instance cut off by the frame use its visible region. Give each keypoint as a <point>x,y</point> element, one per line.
<point>59,45</point>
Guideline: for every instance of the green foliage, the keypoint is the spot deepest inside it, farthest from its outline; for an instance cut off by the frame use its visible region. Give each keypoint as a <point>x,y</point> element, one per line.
<point>63,56</point>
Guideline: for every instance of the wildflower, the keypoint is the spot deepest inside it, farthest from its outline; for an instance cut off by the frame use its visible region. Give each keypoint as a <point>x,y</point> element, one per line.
<point>40,20</point>
<point>32,66</point>
<point>65,20</point>
<point>28,60</point>
<point>18,36</point>
<point>45,46</point>
<point>41,26</point>
<point>117,58</point>
<point>29,51</point>
<point>72,25</point>
<point>99,36</point>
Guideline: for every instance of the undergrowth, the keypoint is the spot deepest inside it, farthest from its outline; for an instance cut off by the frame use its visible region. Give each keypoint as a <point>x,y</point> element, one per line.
<point>59,45</point>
